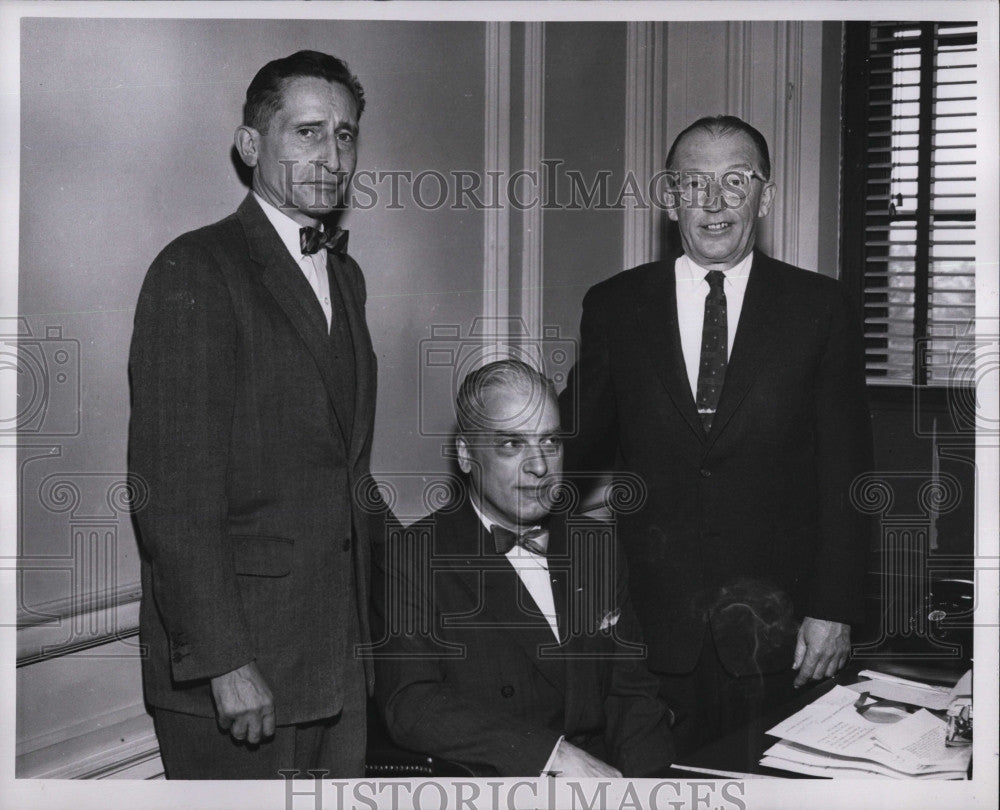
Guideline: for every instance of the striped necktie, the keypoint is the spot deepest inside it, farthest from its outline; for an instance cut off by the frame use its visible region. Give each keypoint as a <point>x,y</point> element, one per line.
<point>311,240</point>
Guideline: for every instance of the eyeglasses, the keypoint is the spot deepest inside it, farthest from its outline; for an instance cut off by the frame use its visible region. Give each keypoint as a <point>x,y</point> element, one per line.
<point>733,186</point>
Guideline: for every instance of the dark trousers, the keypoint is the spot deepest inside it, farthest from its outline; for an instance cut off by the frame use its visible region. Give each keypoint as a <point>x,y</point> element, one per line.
<point>710,702</point>
<point>196,748</point>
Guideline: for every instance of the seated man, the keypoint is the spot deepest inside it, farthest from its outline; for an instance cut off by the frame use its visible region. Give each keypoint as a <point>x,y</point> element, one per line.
<point>508,642</point>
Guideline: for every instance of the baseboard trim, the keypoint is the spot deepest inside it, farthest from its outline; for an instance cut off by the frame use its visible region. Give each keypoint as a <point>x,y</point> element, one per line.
<point>76,632</point>
<point>121,745</point>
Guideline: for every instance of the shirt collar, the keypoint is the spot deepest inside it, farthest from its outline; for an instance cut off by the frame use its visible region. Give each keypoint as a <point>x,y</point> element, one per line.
<point>287,228</point>
<point>687,270</point>
<point>489,524</point>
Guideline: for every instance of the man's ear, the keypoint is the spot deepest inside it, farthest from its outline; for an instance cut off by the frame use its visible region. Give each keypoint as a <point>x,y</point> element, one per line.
<point>462,454</point>
<point>246,144</point>
<point>766,198</point>
<point>671,180</point>
<point>673,203</point>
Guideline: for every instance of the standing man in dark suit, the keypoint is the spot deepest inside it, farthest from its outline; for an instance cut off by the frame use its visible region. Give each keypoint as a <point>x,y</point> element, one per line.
<point>734,385</point>
<point>508,640</point>
<point>253,398</point>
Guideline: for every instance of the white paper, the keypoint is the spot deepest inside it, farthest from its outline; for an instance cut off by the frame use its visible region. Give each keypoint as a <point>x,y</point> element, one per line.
<point>840,766</point>
<point>913,745</point>
<point>935,699</point>
<point>871,771</point>
<point>892,687</point>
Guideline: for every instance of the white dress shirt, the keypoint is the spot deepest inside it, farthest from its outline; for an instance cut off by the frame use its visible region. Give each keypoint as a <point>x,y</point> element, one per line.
<point>313,267</point>
<point>692,289</point>
<point>533,569</point>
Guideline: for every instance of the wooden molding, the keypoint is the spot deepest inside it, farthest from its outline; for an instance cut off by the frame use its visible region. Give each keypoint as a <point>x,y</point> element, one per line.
<point>532,243</point>
<point>120,745</point>
<point>643,134</point>
<point>789,47</point>
<point>71,625</point>
<point>739,68</point>
<point>496,236</point>
<point>72,607</point>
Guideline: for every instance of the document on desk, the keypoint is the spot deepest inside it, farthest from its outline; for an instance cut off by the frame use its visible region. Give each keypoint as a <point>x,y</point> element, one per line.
<point>832,728</point>
<point>788,756</point>
<point>891,687</point>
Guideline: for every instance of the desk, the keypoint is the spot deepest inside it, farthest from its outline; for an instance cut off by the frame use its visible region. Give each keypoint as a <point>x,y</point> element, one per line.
<point>740,751</point>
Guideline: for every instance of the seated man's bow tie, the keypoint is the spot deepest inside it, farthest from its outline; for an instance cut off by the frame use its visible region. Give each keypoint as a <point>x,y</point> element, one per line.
<point>312,240</point>
<point>504,539</point>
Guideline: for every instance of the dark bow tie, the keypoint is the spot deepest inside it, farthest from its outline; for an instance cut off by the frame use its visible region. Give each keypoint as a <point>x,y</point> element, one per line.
<point>312,240</point>
<point>504,539</point>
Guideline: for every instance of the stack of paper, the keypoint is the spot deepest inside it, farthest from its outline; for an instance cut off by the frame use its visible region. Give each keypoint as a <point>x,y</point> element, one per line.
<point>831,738</point>
<point>892,687</point>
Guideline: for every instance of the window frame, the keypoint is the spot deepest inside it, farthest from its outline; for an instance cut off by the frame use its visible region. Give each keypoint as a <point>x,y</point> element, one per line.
<point>856,177</point>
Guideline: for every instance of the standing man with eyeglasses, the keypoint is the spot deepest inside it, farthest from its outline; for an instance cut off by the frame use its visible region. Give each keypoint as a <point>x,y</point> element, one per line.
<point>253,401</point>
<point>734,385</point>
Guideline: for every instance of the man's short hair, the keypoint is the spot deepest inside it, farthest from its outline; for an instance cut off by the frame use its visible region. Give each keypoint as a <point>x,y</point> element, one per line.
<point>264,93</point>
<point>724,125</point>
<point>470,404</point>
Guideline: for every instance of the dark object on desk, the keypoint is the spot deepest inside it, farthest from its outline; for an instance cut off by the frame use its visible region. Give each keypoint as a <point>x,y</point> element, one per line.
<point>948,612</point>
<point>924,623</point>
<point>960,723</point>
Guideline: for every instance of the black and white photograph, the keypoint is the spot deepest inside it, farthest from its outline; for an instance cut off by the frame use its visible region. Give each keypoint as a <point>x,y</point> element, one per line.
<point>496,404</point>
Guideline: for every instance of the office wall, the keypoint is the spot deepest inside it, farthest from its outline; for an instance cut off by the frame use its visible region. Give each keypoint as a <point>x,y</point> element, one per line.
<point>126,135</point>
<point>126,129</point>
<point>781,76</point>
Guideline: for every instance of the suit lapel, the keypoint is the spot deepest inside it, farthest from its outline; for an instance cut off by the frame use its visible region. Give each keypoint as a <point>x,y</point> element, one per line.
<point>504,602</point>
<point>284,280</point>
<point>657,313</point>
<point>559,571</point>
<point>361,340</point>
<point>753,341</point>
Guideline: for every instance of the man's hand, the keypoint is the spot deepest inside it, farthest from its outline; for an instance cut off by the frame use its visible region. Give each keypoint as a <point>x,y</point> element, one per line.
<point>243,703</point>
<point>821,650</point>
<point>572,761</point>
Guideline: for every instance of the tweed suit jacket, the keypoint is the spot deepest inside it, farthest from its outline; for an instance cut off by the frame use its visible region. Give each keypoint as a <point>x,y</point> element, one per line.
<point>255,546</point>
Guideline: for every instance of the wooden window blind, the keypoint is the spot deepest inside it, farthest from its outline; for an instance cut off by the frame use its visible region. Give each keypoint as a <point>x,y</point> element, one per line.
<point>909,203</point>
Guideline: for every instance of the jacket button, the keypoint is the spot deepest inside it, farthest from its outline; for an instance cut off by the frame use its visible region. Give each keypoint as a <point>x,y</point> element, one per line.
<point>507,691</point>
<point>705,473</point>
<point>178,657</point>
<point>346,545</point>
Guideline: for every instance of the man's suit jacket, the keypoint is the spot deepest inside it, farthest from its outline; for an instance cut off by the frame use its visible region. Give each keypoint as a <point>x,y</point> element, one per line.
<point>752,526</point>
<point>252,449</point>
<point>468,669</point>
